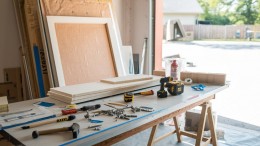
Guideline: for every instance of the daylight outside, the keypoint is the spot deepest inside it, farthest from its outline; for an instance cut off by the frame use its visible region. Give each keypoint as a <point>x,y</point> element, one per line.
<point>220,36</point>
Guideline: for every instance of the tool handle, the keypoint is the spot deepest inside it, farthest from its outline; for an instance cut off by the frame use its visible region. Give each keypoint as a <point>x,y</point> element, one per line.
<point>147,92</point>
<point>119,104</point>
<point>69,111</point>
<point>53,130</point>
<point>150,92</point>
<point>41,123</point>
<point>49,122</point>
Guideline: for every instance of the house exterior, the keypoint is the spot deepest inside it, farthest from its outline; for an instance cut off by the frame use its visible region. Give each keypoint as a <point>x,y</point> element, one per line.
<point>187,11</point>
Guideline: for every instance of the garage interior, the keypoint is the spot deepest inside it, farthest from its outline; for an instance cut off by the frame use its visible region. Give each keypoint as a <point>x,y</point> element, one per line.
<point>84,55</point>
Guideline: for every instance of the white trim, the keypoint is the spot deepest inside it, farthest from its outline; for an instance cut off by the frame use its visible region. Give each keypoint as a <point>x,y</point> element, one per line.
<point>83,20</point>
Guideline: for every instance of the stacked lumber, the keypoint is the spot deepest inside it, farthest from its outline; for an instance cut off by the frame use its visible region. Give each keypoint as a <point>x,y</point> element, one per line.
<point>95,90</point>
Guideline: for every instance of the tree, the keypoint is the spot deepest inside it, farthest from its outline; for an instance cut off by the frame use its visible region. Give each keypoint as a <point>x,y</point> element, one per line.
<point>246,11</point>
<point>214,12</point>
<point>231,11</point>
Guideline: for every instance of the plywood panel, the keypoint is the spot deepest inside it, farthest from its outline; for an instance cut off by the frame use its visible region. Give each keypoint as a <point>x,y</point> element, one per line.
<point>98,87</point>
<point>85,52</point>
<point>127,79</point>
<point>93,8</point>
<point>90,45</point>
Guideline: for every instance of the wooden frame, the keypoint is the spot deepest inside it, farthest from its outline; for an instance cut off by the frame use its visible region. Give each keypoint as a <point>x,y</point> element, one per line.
<point>114,44</point>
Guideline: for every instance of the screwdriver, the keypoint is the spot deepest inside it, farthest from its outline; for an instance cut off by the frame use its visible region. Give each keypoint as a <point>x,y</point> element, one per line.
<point>84,108</point>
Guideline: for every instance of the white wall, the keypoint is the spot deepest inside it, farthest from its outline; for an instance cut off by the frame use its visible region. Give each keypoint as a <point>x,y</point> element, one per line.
<point>186,19</point>
<point>9,38</point>
<point>133,21</point>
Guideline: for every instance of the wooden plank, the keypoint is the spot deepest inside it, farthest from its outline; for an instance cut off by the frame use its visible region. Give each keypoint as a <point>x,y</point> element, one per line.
<point>33,31</point>
<point>99,90</point>
<point>81,45</point>
<point>212,127</point>
<point>192,135</point>
<point>152,135</point>
<point>201,77</point>
<point>159,72</point>
<point>127,79</point>
<point>97,87</point>
<point>201,124</point>
<point>96,96</point>
<point>164,136</point>
<point>3,104</point>
<point>176,124</point>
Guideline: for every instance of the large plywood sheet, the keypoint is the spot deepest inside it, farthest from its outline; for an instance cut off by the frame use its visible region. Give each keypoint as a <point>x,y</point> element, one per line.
<point>85,49</point>
<point>85,52</point>
<point>93,8</point>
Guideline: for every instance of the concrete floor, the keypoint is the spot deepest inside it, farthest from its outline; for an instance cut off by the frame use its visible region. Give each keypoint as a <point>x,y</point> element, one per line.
<point>240,61</point>
<point>233,136</point>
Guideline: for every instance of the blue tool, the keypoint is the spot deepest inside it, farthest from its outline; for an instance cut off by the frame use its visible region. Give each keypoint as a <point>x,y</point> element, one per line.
<point>95,121</point>
<point>199,87</point>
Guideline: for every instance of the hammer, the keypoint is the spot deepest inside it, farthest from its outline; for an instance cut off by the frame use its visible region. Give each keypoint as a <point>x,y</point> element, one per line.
<point>74,128</point>
<point>68,118</point>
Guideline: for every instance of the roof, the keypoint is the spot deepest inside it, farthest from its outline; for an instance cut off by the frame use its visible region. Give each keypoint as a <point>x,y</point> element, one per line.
<point>182,6</point>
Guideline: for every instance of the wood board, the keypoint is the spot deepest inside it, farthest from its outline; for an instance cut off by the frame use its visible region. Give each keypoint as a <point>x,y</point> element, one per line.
<point>79,66</point>
<point>85,98</point>
<point>91,8</point>
<point>82,8</point>
<point>201,77</point>
<point>159,72</point>
<point>97,87</point>
<point>127,79</point>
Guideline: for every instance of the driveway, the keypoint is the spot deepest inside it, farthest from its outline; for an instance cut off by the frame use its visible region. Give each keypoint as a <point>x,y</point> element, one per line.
<point>240,61</point>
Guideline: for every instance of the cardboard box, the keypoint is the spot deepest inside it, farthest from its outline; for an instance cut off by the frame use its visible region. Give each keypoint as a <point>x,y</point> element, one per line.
<point>14,76</point>
<point>192,119</point>
<point>8,89</point>
<point>3,104</point>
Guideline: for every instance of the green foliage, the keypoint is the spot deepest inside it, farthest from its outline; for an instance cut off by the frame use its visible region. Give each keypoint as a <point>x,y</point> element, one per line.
<point>224,12</point>
<point>217,19</point>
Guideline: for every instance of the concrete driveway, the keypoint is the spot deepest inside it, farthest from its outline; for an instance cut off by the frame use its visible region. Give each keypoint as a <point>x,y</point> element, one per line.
<point>240,61</point>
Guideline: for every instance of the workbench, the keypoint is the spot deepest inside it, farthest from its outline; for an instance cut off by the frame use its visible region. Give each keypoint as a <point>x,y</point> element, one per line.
<point>112,130</point>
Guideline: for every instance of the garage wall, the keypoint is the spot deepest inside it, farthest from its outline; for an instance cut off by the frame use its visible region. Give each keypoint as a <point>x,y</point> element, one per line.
<point>186,19</point>
<point>133,20</point>
<point>9,38</point>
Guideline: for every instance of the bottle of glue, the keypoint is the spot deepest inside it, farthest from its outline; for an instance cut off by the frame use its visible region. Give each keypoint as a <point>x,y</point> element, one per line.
<point>174,72</point>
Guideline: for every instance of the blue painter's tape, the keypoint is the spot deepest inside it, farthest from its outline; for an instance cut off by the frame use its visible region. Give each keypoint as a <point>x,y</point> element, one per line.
<point>39,70</point>
<point>103,130</point>
<point>45,104</point>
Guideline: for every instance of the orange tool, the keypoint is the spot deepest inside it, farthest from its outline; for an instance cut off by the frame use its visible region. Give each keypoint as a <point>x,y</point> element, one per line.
<point>128,97</point>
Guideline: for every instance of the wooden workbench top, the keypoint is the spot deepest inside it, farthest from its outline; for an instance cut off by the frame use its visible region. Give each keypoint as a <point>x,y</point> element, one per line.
<point>110,127</point>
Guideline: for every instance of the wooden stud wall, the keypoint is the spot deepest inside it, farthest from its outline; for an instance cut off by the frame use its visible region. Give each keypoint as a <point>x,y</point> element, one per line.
<point>90,8</point>
<point>33,29</point>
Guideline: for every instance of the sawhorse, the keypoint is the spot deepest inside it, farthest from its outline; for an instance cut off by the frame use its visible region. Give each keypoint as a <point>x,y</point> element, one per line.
<point>200,140</point>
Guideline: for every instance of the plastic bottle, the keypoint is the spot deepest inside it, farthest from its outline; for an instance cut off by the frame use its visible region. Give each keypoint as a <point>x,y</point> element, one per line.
<point>174,70</point>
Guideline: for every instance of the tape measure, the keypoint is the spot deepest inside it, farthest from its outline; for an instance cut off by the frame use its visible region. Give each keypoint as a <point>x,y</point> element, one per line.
<point>71,106</point>
<point>188,81</point>
<point>128,97</point>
